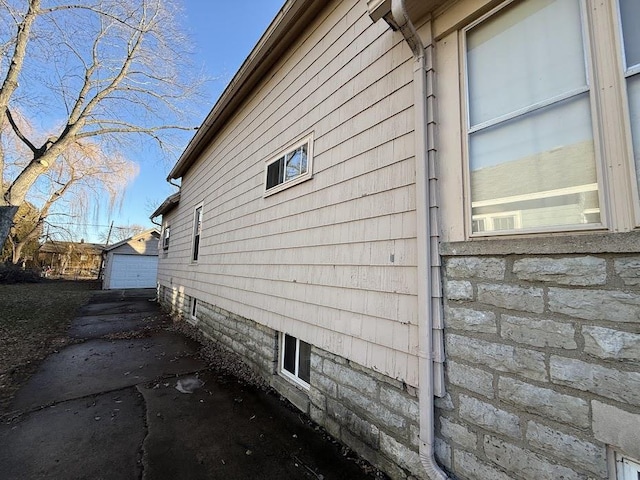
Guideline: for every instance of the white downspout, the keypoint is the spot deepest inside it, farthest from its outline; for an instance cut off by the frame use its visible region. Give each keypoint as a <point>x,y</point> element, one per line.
<point>429,308</point>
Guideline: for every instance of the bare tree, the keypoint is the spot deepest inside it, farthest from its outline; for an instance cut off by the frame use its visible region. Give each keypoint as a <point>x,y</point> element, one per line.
<point>79,175</point>
<point>120,233</point>
<point>22,242</point>
<point>94,72</point>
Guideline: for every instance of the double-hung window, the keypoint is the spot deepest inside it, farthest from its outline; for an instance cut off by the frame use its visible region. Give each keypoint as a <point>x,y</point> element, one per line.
<point>166,237</point>
<point>530,135</point>
<point>295,359</point>
<point>197,231</point>
<point>289,167</point>
<point>629,18</point>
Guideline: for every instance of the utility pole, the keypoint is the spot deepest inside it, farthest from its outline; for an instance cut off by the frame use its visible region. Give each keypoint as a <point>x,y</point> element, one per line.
<point>105,244</point>
<point>109,234</point>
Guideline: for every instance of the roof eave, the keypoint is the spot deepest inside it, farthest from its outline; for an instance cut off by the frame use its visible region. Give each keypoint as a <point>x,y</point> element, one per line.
<point>282,32</point>
<point>150,231</point>
<point>169,204</point>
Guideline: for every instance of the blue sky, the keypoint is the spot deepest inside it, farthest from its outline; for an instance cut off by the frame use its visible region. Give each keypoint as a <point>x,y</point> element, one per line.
<point>221,44</point>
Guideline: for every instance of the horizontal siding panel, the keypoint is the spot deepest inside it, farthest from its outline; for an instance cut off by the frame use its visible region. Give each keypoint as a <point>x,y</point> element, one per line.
<point>347,189</point>
<point>361,327</point>
<point>348,254</point>
<point>305,298</point>
<point>333,259</point>
<point>400,280</point>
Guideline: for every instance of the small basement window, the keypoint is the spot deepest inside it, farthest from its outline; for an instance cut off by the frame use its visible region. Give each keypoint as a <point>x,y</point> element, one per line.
<point>194,308</point>
<point>289,167</point>
<point>627,469</point>
<point>295,359</point>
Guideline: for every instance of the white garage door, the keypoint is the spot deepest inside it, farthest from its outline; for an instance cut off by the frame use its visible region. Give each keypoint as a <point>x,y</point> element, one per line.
<point>133,271</point>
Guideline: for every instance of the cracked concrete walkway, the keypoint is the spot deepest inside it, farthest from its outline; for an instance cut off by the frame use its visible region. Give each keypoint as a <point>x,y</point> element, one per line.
<point>107,408</point>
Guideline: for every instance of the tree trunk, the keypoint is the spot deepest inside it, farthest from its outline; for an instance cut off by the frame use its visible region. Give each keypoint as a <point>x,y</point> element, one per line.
<point>6,222</point>
<point>17,251</point>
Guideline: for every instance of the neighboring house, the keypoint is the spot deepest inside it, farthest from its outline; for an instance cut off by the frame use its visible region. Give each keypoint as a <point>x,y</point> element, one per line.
<point>71,258</point>
<point>132,263</point>
<point>385,182</point>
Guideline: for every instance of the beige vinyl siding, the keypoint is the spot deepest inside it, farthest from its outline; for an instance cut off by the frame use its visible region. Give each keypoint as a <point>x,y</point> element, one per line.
<point>314,260</point>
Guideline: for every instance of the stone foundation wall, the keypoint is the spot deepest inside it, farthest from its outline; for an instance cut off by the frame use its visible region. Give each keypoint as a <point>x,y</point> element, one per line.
<point>374,415</point>
<point>174,301</point>
<point>543,357</point>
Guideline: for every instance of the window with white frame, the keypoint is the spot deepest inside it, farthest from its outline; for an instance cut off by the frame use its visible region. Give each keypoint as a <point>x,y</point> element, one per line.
<point>629,17</point>
<point>295,359</point>
<point>627,469</point>
<point>531,154</point>
<point>197,231</point>
<point>289,167</point>
<point>165,237</point>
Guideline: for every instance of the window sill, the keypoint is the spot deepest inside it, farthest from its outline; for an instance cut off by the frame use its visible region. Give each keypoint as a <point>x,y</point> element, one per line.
<point>292,392</point>
<point>295,380</point>
<point>566,243</point>
<point>285,185</point>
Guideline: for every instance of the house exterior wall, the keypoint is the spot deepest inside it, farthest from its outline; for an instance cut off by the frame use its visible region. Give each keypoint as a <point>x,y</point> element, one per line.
<point>332,260</point>
<point>542,331</point>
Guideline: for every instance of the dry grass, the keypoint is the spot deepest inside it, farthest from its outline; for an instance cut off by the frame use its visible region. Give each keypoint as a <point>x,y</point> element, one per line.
<point>34,319</point>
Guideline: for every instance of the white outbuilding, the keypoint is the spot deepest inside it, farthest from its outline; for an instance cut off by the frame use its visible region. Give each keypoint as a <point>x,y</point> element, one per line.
<point>132,263</point>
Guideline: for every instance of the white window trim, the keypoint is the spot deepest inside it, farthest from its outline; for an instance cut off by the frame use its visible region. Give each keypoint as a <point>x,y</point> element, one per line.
<point>287,373</point>
<point>166,240</point>
<point>193,233</point>
<point>308,139</point>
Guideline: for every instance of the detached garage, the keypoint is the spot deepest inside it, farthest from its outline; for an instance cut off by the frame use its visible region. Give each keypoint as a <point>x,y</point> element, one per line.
<point>132,263</point>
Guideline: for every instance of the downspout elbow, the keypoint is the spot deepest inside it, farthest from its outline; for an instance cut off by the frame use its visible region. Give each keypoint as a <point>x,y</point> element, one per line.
<point>408,30</point>
<point>434,472</point>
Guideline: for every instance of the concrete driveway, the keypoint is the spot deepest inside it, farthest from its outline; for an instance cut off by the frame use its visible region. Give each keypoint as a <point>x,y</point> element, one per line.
<point>107,407</point>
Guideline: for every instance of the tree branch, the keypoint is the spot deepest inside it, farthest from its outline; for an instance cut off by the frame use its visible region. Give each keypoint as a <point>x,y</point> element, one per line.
<point>18,133</point>
<point>17,60</point>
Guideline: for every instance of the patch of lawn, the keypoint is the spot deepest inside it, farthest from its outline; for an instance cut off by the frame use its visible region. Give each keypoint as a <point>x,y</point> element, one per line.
<point>34,319</point>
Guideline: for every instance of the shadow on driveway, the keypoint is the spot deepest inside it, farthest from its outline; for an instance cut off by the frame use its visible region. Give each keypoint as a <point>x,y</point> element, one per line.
<point>107,407</point>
